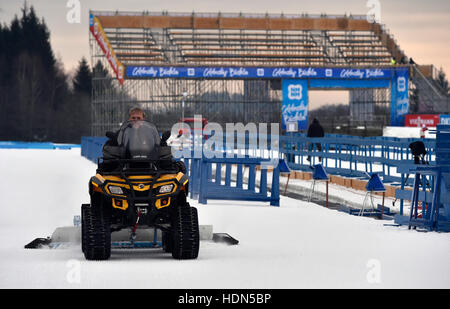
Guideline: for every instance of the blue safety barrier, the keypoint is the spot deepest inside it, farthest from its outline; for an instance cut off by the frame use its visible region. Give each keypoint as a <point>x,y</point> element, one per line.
<point>351,156</point>
<point>36,145</point>
<point>91,147</point>
<point>193,171</point>
<point>214,188</point>
<point>430,198</point>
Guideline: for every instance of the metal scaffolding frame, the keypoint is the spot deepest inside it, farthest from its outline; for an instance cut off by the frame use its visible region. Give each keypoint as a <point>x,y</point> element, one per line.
<point>229,39</point>
<point>368,106</point>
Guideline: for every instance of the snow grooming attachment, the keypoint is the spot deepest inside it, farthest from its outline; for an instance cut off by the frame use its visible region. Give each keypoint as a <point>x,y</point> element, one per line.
<point>68,236</point>
<point>139,184</point>
<point>38,243</point>
<point>224,238</point>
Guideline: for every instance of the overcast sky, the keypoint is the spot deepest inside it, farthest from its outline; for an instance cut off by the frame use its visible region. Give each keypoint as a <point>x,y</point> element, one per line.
<point>421,28</point>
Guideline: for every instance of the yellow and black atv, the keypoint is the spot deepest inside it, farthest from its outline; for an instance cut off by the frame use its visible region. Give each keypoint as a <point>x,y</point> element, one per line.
<point>139,183</point>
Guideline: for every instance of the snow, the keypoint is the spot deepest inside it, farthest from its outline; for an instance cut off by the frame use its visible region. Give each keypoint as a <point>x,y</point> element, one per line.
<point>296,245</point>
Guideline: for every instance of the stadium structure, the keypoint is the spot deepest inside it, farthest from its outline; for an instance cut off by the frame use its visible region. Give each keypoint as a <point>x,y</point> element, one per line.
<point>216,64</point>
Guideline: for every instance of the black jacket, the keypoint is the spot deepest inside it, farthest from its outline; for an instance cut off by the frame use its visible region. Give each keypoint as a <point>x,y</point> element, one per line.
<point>315,129</point>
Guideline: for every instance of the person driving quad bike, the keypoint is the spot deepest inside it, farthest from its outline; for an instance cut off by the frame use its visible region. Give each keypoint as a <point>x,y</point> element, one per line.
<point>138,183</point>
<point>114,147</point>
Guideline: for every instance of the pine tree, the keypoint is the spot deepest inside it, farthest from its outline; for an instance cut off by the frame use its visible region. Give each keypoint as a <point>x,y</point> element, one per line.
<point>32,86</point>
<point>99,70</point>
<point>82,82</point>
<point>37,38</point>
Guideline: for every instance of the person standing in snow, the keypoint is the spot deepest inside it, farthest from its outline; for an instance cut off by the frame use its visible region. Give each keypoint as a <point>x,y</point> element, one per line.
<point>315,130</point>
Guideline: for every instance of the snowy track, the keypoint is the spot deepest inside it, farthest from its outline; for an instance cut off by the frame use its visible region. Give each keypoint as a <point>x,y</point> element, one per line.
<point>298,245</point>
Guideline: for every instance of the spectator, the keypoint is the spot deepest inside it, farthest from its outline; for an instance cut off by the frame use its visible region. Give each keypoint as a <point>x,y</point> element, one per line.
<point>315,130</point>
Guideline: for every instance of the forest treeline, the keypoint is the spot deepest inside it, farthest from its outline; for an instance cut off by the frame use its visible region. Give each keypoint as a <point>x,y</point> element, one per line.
<point>39,101</point>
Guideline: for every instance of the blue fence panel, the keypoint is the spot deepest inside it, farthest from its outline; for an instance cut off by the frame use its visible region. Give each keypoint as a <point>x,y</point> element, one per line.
<point>351,155</point>
<point>193,172</point>
<point>35,145</point>
<point>91,147</point>
<point>215,188</point>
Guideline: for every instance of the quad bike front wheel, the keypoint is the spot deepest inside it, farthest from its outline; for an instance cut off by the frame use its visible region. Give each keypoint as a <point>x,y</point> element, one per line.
<point>96,230</point>
<point>186,234</point>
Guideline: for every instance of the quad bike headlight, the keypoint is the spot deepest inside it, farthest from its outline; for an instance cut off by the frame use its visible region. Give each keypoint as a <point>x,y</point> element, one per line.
<point>115,190</point>
<point>166,188</point>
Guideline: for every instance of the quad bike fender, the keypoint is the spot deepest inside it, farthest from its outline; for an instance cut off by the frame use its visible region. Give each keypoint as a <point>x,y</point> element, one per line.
<point>182,178</point>
<point>95,183</point>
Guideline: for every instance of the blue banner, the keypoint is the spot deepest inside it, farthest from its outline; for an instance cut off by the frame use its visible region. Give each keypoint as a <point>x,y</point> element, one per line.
<point>294,111</point>
<point>399,96</point>
<point>348,83</point>
<point>445,119</point>
<point>255,72</point>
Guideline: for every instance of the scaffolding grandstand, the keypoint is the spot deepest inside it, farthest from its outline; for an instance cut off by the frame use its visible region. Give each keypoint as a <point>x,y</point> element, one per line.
<point>123,40</point>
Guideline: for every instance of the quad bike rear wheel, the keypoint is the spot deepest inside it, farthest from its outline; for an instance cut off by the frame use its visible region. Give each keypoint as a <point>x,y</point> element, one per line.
<point>186,234</point>
<point>96,230</point>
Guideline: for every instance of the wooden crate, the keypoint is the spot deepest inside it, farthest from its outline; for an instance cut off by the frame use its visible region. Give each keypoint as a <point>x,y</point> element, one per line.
<point>359,184</point>
<point>307,176</point>
<point>334,179</point>
<point>340,181</point>
<point>298,175</point>
<point>390,191</point>
<point>348,182</point>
